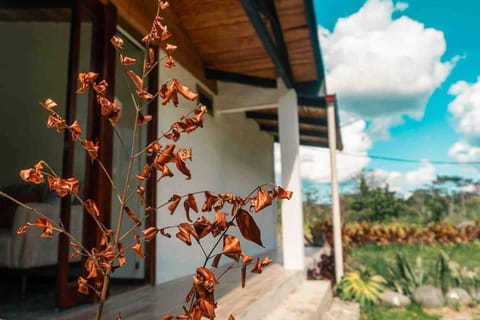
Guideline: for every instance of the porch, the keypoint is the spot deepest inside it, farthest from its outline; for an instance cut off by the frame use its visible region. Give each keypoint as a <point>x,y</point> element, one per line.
<point>261,295</point>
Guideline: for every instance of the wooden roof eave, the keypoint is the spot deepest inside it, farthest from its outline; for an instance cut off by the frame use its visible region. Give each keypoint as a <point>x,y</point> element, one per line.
<point>139,15</point>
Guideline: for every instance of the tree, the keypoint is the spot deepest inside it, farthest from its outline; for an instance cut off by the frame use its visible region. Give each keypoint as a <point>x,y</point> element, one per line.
<point>375,203</point>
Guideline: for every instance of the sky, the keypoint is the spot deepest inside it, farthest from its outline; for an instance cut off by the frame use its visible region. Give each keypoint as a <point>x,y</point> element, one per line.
<point>407,79</point>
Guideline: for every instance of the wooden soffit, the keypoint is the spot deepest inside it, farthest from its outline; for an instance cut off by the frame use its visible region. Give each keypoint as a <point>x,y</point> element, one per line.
<point>254,41</point>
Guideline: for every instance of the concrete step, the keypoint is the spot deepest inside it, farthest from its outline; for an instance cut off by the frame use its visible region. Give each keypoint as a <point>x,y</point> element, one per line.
<point>310,301</point>
<point>344,310</point>
<point>262,294</point>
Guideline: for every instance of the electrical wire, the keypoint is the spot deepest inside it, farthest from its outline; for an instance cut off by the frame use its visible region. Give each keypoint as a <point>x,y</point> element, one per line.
<point>405,160</point>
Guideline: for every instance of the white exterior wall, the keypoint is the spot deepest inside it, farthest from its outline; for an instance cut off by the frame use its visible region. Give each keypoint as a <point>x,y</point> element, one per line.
<point>230,154</point>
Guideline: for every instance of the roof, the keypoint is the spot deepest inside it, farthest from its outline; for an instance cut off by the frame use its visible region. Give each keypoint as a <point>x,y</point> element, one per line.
<point>252,42</point>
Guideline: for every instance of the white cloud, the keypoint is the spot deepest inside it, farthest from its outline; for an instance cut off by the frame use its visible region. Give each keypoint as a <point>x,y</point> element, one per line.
<point>465,109</point>
<point>404,182</point>
<point>464,152</point>
<point>315,162</point>
<point>401,6</point>
<point>383,67</point>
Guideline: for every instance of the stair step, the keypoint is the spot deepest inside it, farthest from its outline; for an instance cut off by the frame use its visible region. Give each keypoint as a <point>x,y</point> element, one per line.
<point>344,310</point>
<point>261,294</point>
<point>308,302</point>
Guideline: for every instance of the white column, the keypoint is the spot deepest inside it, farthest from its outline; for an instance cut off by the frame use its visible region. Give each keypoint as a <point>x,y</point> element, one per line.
<point>292,213</point>
<point>337,224</point>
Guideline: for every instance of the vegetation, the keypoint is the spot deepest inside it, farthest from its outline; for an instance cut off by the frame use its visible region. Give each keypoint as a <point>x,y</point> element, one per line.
<point>449,199</point>
<point>363,287</point>
<point>379,257</point>
<point>431,237</point>
<point>412,312</point>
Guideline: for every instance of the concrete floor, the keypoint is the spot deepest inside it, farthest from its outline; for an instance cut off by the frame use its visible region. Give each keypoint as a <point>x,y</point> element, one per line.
<point>151,302</point>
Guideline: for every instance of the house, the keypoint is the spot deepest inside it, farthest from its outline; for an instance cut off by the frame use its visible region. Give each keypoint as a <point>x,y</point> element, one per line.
<point>257,64</point>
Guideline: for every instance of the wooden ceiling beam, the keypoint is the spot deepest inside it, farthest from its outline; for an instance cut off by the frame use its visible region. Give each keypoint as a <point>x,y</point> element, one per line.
<point>308,143</point>
<point>274,116</point>
<point>303,132</point>
<point>275,49</point>
<point>240,78</point>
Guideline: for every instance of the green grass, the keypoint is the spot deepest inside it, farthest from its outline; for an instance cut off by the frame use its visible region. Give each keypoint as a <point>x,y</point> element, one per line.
<point>379,257</point>
<point>412,312</point>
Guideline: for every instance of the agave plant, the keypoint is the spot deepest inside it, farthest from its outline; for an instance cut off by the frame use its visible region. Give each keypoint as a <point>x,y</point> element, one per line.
<point>363,287</point>
<point>404,277</point>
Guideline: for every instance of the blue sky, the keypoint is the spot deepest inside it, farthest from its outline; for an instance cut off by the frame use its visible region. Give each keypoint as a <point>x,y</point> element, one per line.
<point>405,73</point>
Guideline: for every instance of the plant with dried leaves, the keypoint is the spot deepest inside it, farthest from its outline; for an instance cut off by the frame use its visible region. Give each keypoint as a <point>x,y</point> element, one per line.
<point>100,262</point>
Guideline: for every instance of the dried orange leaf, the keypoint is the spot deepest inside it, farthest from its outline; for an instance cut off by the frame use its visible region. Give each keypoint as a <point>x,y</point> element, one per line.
<point>63,187</point>
<point>76,250</point>
<point>246,258</point>
<point>181,164</point>
<point>137,247</point>
<point>91,207</point>
<point>231,247</point>
<point>258,267</point>
<point>86,79</point>
<point>100,87</point>
<point>190,203</point>
<point>170,48</point>
<point>82,285</point>
<point>91,269</point>
<point>248,227</point>
<point>127,61</point>
<point>164,233</point>
<point>283,194</point>
<point>133,216</point>
<point>75,130</point>
<point>150,233</point>
<point>266,261</point>
<point>137,81</point>
<point>231,317</point>
<point>91,148</point>
<point>22,229</point>
<point>117,42</point>
<point>146,173</point>
<point>216,260</point>
<point>262,200</point>
<point>184,232</point>
<point>49,104</point>
<point>31,175</point>
<point>143,119</point>
<point>141,194</point>
<point>185,91</point>
<point>174,201</point>
<point>55,121</point>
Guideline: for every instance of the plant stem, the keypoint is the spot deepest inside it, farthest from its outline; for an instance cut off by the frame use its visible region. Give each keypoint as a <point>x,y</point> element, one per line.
<point>103,297</point>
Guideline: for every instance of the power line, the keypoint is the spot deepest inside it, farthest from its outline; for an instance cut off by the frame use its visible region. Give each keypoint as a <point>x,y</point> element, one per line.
<point>405,160</point>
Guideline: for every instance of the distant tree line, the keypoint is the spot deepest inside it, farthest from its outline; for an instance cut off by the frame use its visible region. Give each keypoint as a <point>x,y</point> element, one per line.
<point>448,198</point>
